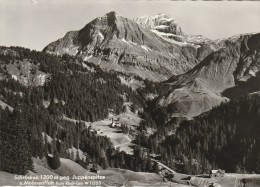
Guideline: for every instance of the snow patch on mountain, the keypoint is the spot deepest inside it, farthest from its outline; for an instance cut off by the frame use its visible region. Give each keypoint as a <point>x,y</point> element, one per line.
<point>128,43</point>
<point>161,27</point>
<point>252,73</point>
<point>101,35</point>
<point>133,43</point>
<point>168,37</point>
<point>88,57</point>
<point>145,48</point>
<point>162,33</point>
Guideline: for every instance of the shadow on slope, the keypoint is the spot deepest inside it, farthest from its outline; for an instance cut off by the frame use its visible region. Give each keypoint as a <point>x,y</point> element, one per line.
<point>243,88</point>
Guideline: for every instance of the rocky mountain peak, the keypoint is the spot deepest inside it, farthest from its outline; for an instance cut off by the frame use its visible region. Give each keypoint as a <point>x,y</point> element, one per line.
<point>152,47</point>
<point>109,18</point>
<point>112,14</point>
<point>161,23</point>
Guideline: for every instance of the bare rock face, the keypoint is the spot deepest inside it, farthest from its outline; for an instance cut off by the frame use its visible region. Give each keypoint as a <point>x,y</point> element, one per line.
<point>168,29</point>
<point>161,23</point>
<point>117,43</point>
<point>201,88</point>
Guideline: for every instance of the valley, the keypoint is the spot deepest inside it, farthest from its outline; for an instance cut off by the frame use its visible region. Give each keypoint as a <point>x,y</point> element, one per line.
<point>137,101</point>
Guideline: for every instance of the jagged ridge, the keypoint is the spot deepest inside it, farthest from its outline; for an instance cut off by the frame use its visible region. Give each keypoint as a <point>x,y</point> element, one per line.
<point>121,44</point>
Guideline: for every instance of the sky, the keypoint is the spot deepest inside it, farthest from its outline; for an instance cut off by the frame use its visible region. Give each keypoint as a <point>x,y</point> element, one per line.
<point>35,23</point>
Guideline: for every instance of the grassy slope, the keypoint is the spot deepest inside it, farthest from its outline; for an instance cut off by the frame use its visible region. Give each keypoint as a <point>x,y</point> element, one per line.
<point>115,176</point>
<point>68,167</point>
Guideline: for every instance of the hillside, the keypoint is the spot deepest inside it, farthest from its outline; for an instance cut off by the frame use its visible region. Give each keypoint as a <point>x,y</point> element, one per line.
<point>115,176</point>
<point>57,114</point>
<point>225,137</point>
<point>69,168</point>
<point>220,76</point>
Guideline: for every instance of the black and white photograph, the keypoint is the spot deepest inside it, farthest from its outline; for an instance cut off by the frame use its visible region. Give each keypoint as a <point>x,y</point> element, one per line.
<point>127,93</point>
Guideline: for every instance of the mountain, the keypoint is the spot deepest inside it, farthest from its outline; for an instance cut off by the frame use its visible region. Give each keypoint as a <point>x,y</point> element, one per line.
<point>155,49</point>
<point>206,85</point>
<point>161,23</point>
<point>167,28</point>
<point>84,99</point>
<point>202,73</point>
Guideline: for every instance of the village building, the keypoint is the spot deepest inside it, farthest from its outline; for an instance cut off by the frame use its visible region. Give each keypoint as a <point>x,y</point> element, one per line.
<point>217,173</point>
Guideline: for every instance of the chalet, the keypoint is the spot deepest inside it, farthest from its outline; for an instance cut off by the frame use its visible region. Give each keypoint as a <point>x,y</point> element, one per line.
<point>214,185</point>
<point>163,171</point>
<point>99,131</point>
<point>217,173</point>
<point>156,156</point>
<point>93,170</point>
<point>115,125</point>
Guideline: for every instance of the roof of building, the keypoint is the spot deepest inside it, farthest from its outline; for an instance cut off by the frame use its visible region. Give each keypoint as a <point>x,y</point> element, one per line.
<point>217,171</point>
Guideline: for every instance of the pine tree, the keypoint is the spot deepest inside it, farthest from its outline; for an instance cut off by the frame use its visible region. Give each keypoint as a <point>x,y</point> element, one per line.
<point>77,156</point>
<point>17,156</point>
<point>155,168</point>
<point>72,157</point>
<point>257,170</point>
<point>87,161</point>
<point>54,162</point>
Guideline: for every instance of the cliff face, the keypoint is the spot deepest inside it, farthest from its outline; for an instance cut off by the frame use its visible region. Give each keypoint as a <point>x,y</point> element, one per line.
<point>161,23</point>
<point>202,88</point>
<point>134,47</point>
